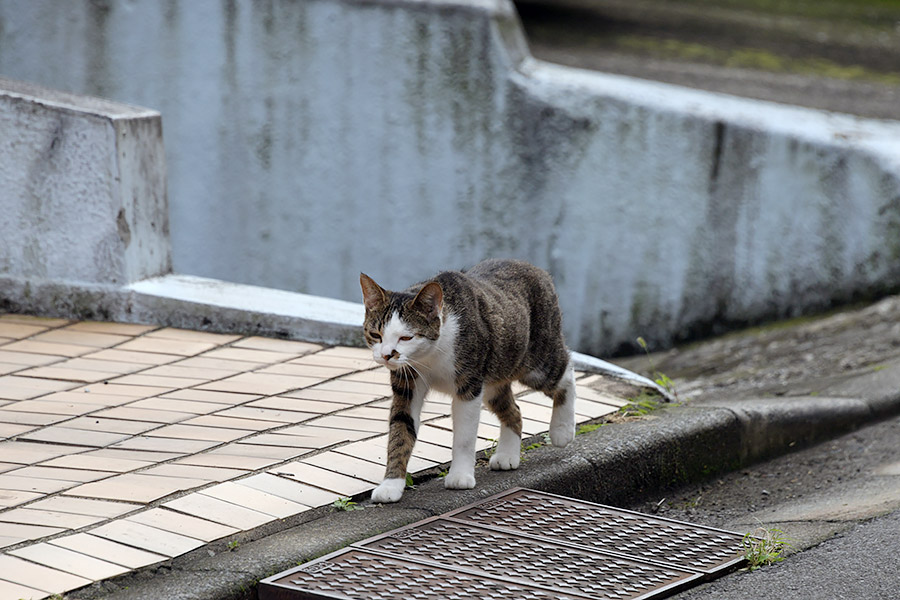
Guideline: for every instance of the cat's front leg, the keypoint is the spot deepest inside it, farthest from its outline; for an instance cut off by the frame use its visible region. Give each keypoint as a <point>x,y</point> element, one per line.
<point>466,414</point>
<point>409,395</point>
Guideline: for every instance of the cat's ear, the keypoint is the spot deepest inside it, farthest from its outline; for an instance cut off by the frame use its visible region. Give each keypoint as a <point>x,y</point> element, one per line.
<point>430,299</point>
<point>373,294</point>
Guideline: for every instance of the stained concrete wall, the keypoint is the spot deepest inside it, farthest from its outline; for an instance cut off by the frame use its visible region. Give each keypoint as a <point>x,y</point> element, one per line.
<point>82,188</point>
<point>310,140</point>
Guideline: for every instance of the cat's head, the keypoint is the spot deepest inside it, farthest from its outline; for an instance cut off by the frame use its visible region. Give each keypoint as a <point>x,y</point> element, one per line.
<point>400,327</point>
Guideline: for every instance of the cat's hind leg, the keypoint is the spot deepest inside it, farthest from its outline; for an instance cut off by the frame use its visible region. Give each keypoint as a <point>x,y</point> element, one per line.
<point>562,420</point>
<point>500,401</point>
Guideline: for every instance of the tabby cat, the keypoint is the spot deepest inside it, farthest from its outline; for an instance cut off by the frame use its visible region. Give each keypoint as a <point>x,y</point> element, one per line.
<point>470,335</point>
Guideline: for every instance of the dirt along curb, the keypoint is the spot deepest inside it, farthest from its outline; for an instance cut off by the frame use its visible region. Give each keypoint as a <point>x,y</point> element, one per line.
<point>617,463</point>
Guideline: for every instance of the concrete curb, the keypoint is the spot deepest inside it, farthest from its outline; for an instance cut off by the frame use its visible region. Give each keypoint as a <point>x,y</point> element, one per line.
<point>615,464</point>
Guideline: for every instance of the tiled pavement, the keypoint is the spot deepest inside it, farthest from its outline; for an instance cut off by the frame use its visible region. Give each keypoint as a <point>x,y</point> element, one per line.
<point>126,445</point>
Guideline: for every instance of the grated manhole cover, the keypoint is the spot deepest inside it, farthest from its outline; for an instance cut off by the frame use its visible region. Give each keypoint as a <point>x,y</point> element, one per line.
<point>519,544</point>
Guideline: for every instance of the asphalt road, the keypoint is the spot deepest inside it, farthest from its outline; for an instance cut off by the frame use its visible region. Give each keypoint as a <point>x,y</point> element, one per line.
<point>838,503</point>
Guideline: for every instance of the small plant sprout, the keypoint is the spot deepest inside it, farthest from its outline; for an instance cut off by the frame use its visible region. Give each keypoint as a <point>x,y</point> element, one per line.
<point>233,545</point>
<point>344,503</point>
<point>763,547</point>
<point>410,484</point>
<point>661,379</point>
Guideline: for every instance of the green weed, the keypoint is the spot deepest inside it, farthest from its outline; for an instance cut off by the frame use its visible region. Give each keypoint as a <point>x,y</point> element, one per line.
<point>588,427</point>
<point>233,545</point>
<point>661,379</point>
<point>344,503</point>
<point>764,547</point>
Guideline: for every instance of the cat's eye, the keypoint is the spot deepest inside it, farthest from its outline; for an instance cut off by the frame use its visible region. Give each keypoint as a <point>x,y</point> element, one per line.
<point>375,336</point>
<point>405,338</point>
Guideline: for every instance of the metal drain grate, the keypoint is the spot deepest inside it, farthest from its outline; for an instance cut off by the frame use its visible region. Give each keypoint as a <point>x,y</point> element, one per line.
<point>521,544</point>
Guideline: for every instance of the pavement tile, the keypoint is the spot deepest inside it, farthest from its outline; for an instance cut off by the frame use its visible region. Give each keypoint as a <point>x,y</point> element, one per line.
<point>282,440</point>
<point>259,383</point>
<point>33,484</point>
<point>29,453</point>
<point>8,415</point>
<point>145,537</point>
<point>83,506</point>
<point>115,389</point>
<point>19,331</point>
<point>228,461</point>
<point>375,413</point>
<point>14,591</point>
<point>486,431</point>
<point>373,390</point>
<point>88,363</point>
<point>26,532</point>
<point>289,489</point>
<point>173,383</point>
<point>234,366</point>
<point>276,345</point>
<point>220,420</point>
<point>96,463</point>
<point>27,359</point>
<point>74,437</point>
<point>159,345</point>
<point>228,398</point>
<point>134,487</point>
<point>141,455</point>
<point>30,516</point>
<point>314,436</point>
<point>129,413</point>
<point>197,432</point>
<point>352,423</point>
<point>342,485</point>
<point>303,405</point>
<point>190,335</point>
<point>219,511</point>
<point>162,444</point>
<point>379,376</point>
<point>195,527</point>
<point>33,320</point>
<point>98,399</point>
<point>49,348</point>
<point>266,415</point>
<point>187,373</point>
<point>321,373</point>
<point>10,498</point>
<point>278,452</point>
<point>81,338</point>
<point>348,352</point>
<point>110,425</point>
<point>436,435</point>
<point>317,393</point>
<point>69,374</point>
<point>16,387</point>
<point>347,465</point>
<point>207,473</point>
<point>39,577</point>
<point>7,368</point>
<point>586,393</point>
<point>108,550</point>
<point>129,329</point>
<point>254,499</point>
<point>70,561</point>
<point>375,451</point>
<point>432,452</point>
<point>8,430</point>
<point>136,357</point>
<point>55,408</point>
<point>345,365</point>
<point>259,357</point>
<point>43,472</point>
<point>535,412</point>
<point>191,407</point>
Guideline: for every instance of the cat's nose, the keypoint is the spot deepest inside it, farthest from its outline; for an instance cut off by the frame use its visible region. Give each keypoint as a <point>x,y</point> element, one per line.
<point>389,356</point>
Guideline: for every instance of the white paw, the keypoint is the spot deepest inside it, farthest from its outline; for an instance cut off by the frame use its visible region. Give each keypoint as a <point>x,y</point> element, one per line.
<point>459,481</point>
<point>505,462</point>
<point>562,435</point>
<point>390,490</point>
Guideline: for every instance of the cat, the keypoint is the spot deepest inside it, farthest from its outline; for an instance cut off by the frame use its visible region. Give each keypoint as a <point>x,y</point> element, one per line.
<point>469,334</point>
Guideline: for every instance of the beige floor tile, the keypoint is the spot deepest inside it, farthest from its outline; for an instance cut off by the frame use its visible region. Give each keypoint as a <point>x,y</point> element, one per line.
<point>194,472</point>
<point>228,461</point>
<point>31,387</point>
<point>191,407</point>
<point>432,452</point>
<point>98,399</point>
<point>81,338</point>
<point>129,329</point>
<point>49,348</point>
<point>221,421</point>
<point>157,345</point>
<point>68,374</point>
<point>190,335</point>
<point>27,359</point>
<point>8,415</point>
<point>261,451</point>
<point>378,376</point>
<point>142,455</point>
<point>322,437</point>
<point>7,368</point>
<point>187,373</point>
<point>108,550</point>
<point>54,408</point>
<point>342,485</point>
<point>29,453</point>
<point>486,431</point>
<point>246,355</point>
<point>19,331</point>
<point>195,527</point>
<point>39,577</point>
<point>375,451</point>
<point>289,489</point>
<point>147,538</point>
<point>332,396</point>
<point>14,591</point>
<point>352,423</point>
<point>135,487</point>
<point>96,463</point>
<point>110,425</point>
<point>8,430</point>
<point>437,436</point>
<point>305,443</point>
<point>276,345</point>
<point>586,393</point>
<point>381,414</point>
<point>228,398</point>
<point>259,383</point>
<point>372,390</point>
<point>5,466</point>
<point>69,561</point>
<point>128,413</point>
<point>302,370</point>
<point>134,391</point>
<point>83,506</point>
<point>171,383</point>
<point>535,412</point>
<point>219,511</point>
<point>33,320</point>
<point>27,532</point>
<point>302,405</point>
<point>225,364</point>
<point>9,498</point>
<point>30,516</point>
<point>347,465</point>
<point>162,444</point>
<point>271,416</point>
<point>197,432</point>
<point>347,352</point>
<point>136,357</point>
<point>586,410</point>
<point>254,499</point>
<point>74,437</point>
<point>33,484</point>
<point>345,365</point>
<point>43,472</point>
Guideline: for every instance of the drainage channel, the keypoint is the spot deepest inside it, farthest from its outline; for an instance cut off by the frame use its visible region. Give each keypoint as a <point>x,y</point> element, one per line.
<point>519,544</point>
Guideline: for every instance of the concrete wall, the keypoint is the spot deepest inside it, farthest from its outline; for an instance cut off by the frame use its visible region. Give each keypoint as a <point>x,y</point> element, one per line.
<point>82,189</point>
<point>310,140</point>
